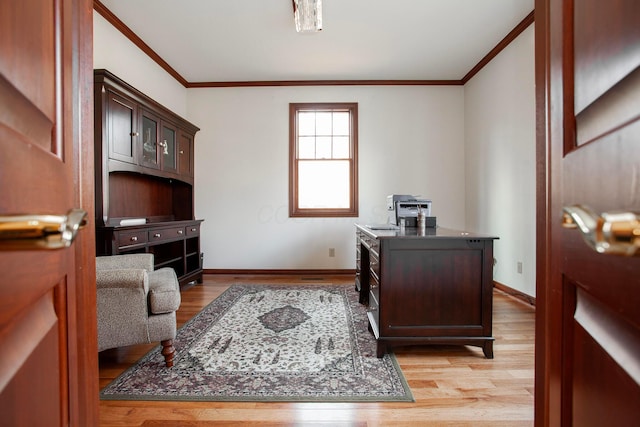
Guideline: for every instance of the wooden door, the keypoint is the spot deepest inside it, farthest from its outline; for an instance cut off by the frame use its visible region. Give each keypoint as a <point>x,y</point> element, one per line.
<point>588,301</point>
<point>48,361</point>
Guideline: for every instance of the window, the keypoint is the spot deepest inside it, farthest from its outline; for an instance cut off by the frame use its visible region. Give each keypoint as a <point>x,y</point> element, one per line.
<point>323,160</point>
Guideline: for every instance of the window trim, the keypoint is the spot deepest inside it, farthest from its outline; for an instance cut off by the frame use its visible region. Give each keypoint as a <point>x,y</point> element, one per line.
<point>294,210</point>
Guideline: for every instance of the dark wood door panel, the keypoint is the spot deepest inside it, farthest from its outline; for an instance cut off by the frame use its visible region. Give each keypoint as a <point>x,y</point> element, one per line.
<point>31,340</point>
<point>605,368</point>
<point>613,110</point>
<point>122,129</point>
<point>185,159</point>
<point>27,55</point>
<point>22,119</point>
<point>19,289</point>
<point>446,292</point>
<point>604,182</point>
<point>617,289</point>
<point>606,46</point>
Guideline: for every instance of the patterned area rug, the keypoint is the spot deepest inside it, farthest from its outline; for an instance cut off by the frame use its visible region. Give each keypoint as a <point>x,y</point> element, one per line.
<point>270,343</point>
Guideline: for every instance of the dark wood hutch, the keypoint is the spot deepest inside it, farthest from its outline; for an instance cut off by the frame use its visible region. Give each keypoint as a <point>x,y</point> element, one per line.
<point>144,179</point>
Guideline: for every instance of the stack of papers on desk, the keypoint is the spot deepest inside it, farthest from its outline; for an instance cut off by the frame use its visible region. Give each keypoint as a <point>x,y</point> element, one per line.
<point>382,227</point>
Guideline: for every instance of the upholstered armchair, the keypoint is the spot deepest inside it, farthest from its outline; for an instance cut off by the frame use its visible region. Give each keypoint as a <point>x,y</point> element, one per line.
<point>136,304</point>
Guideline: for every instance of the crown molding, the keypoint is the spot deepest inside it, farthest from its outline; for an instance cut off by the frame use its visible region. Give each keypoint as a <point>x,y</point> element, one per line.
<point>133,37</point>
<point>328,83</point>
<point>513,34</point>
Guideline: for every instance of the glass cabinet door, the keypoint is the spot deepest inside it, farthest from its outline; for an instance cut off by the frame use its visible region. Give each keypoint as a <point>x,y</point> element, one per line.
<point>150,154</point>
<point>168,145</point>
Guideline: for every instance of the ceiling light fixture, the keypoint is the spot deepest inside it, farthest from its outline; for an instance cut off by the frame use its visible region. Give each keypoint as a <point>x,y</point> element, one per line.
<point>307,15</point>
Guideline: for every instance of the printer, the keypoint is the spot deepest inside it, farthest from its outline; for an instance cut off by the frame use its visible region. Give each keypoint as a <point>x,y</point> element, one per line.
<point>407,207</point>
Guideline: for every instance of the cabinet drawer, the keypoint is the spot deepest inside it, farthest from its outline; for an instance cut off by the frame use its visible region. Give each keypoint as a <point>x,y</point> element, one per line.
<point>162,234</point>
<point>374,307</point>
<point>374,280</point>
<point>374,244</point>
<point>374,264</point>
<point>192,230</point>
<point>132,238</point>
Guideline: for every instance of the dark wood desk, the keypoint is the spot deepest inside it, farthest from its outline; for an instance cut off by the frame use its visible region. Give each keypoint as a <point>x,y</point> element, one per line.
<point>434,287</point>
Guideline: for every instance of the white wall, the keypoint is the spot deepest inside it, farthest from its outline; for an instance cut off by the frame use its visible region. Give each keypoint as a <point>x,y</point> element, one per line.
<point>411,141</point>
<point>500,160</point>
<point>114,52</point>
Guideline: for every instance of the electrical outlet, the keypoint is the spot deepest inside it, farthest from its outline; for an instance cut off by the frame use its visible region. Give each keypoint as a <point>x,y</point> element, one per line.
<point>519,267</point>
<point>332,252</point>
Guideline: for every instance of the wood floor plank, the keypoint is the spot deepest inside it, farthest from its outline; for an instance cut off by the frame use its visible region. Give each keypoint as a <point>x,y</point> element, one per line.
<point>452,386</point>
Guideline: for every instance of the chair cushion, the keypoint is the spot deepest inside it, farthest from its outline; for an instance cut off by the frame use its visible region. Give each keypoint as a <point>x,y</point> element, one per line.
<point>123,278</point>
<point>164,291</point>
<point>126,261</point>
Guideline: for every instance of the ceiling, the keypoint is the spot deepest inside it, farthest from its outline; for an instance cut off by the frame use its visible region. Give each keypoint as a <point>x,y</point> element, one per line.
<point>255,40</point>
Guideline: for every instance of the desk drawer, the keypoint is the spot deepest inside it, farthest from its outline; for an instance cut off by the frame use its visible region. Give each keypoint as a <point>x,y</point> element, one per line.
<point>132,238</point>
<point>162,234</point>
<point>374,306</point>
<point>373,244</point>
<point>374,264</point>
<point>374,281</point>
<point>192,230</point>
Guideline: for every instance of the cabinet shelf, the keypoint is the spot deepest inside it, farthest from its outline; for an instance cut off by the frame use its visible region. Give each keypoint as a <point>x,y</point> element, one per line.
<point>168,262</point>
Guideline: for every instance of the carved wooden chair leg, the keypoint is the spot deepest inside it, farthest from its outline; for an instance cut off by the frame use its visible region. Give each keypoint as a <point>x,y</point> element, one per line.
<point>168,351</point>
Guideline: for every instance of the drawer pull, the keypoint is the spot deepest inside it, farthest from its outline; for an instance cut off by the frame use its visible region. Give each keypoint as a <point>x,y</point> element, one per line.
<point>179,231</point>
<point>156,235</point>
<point>193,229</point>
<point>134,238</point>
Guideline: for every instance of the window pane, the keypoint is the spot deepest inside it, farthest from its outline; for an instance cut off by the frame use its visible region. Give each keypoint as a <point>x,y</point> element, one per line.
<point>323,184</point>
<point>323,123</point>
<point>341,123</point>
<point>323,159</point>
<point>306,123</point>
<point>323,147</point>
<point>307,147</point>
<point>341,147</point>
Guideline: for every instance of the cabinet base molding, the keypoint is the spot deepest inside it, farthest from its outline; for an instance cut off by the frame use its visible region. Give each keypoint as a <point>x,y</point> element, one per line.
<point>386,344</point>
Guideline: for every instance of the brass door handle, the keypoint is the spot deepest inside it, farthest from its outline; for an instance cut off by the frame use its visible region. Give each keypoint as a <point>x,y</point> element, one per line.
<point>610,233</point>
<point>28,232</point>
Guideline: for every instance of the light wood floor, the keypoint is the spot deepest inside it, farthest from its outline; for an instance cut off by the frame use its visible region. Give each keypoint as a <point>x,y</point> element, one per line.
<point>452,386</point>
